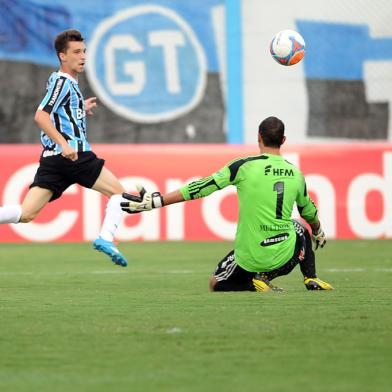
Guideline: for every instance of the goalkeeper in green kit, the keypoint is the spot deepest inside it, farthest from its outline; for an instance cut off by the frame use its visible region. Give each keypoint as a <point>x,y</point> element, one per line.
<point>268,243</point>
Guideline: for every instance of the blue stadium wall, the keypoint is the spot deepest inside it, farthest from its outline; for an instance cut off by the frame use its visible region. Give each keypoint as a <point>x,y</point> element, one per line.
<point>155,67</point>
<point>174,71</point>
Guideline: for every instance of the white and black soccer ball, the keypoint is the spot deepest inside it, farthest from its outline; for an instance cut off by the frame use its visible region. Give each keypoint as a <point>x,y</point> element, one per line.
<point>287,47</point>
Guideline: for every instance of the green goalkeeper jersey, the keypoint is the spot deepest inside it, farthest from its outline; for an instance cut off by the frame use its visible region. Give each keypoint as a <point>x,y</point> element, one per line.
<point>268,187</point>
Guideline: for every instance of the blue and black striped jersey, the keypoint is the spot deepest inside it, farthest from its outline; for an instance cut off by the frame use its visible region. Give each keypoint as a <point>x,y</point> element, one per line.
<point>65,104</point>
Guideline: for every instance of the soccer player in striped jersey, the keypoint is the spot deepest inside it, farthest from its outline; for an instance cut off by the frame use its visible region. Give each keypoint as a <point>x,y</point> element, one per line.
<point>67,157</point>
<point>268,242</point>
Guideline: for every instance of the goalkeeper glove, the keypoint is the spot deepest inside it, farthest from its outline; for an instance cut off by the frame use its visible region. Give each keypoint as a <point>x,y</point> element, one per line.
<point>318,237</point>
<point>146,201</point>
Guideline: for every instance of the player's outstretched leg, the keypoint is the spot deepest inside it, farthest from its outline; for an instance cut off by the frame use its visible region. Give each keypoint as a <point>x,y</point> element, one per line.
<point>110,249</point>
<point>104,243</point>
<point>10,213</point>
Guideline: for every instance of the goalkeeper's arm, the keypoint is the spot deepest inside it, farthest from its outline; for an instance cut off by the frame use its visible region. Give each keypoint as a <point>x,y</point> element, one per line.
<point>147,201</point>
<point>308,211</point>
<point>194,190</point>
<point>311,217</point>
<point>172,197</point>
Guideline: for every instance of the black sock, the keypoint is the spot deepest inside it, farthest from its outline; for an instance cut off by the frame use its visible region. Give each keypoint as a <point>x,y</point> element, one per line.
<point>308,265</point>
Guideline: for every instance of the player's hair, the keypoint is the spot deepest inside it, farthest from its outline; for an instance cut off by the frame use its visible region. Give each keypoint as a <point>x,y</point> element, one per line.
<point>61,41</point>
<point>271,131</point>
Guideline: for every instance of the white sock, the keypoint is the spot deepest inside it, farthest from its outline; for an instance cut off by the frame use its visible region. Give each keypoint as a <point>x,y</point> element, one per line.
<point>10,214</point>
<point>112,218</point>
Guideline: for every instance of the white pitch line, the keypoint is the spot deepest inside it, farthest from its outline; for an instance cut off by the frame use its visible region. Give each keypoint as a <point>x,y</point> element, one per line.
<point>174,330</point>
<point>60,273</point>
<point>345,269</point>
<point>103,272</point>
<point>16,273</point>
<point>179,272</point>
<point>358,269</point>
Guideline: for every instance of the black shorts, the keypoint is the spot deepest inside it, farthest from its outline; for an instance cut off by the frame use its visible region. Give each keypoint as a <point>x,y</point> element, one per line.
<point>231,277</point>
<point>238,279</point>
<point>57,173</point>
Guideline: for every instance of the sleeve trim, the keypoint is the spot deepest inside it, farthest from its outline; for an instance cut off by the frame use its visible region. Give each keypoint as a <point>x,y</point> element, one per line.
<point>55,95</point>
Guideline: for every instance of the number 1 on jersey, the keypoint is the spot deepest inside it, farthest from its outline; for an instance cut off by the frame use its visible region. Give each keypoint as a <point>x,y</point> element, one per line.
<point>279,188</point>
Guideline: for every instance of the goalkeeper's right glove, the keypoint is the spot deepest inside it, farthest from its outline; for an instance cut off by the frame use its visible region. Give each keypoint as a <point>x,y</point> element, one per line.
<point>146,201</point>
<point>318,237</point>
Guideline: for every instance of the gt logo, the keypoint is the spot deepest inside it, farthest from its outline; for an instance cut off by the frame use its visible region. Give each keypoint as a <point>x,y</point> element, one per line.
<point>146,64</point>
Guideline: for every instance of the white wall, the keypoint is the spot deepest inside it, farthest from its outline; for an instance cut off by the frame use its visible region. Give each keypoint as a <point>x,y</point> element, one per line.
<point>272,89</point>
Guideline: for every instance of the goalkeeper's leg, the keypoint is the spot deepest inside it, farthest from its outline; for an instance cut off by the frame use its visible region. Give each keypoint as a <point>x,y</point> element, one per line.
<point>305,257</point>
<point>229,276</point>
<point>308,267</point>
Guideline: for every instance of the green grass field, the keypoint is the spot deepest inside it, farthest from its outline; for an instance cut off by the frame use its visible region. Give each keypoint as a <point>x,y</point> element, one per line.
<point>72,321</point>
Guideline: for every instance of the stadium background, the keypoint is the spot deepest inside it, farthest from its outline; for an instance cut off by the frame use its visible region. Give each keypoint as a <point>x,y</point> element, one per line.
<point>181,91</point>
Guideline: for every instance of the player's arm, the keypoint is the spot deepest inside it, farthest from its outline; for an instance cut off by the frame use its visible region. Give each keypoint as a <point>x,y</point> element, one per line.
<point>55,96</point>
<point>194,190</point>
<point>90,104</point>
<point>44,122</point>
<point>308,211</point>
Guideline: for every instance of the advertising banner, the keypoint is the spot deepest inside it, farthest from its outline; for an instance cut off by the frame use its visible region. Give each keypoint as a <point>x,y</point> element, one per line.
<point>350,183</point>
<point>157,69</point>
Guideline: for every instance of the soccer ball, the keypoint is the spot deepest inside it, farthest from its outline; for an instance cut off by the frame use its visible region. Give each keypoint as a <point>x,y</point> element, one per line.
<point>287,47</point>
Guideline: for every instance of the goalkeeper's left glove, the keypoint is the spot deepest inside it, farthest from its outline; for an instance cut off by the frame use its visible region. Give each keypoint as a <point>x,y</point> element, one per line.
<point>318,237</point>
<point>146,201</point>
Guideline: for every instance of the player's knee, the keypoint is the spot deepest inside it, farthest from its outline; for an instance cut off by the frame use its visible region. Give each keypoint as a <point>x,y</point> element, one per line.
<point>212,283</point>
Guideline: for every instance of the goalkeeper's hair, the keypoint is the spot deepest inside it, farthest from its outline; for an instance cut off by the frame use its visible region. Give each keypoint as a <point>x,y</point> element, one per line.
<point>61,41</point>
<point>271,131</point>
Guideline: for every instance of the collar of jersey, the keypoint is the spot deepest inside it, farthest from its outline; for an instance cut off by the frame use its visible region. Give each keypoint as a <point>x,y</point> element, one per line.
<point>67,76</point>
<point>273,156</point>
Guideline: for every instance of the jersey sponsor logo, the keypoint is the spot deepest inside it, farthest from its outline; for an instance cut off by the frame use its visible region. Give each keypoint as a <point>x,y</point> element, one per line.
<point>267,169</point>
<point>275,239</point>
<point>80,113</point>
<point>49,153</point>
<point>278,171</point>
<point>147,64</point>
<point>283,172</point>
<point>59,85</point>
<point>285,226</point>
